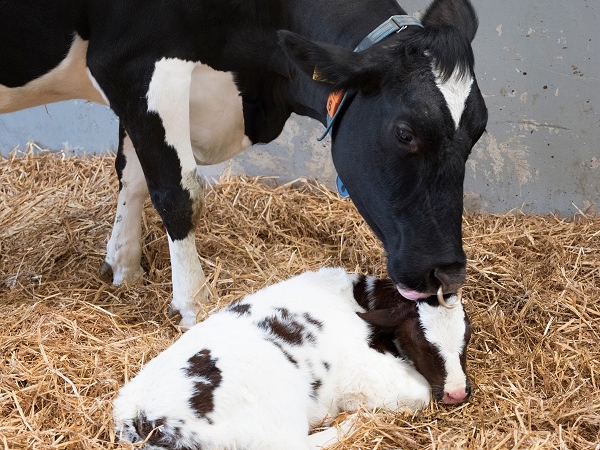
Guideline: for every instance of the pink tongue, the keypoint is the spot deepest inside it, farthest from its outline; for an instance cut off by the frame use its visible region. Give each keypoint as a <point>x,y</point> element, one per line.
<point>410,294</point>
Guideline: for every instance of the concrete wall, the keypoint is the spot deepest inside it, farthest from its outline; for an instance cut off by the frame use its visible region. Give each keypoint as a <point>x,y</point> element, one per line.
<point>538,65</point>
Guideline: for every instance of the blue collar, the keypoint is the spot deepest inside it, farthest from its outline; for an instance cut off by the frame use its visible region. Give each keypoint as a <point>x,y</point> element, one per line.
<point>394,24</point>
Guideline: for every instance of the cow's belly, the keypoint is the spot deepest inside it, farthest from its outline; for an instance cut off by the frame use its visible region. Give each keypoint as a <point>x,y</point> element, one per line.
<point>69,80</point>
<point>216,116</point>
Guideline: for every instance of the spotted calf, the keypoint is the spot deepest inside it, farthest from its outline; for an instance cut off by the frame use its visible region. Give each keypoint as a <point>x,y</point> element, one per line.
<point>258,374</point>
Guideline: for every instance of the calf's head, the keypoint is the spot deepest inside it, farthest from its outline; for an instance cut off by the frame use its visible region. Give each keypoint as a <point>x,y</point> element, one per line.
<point>434,338</point>
<point>401,140</point>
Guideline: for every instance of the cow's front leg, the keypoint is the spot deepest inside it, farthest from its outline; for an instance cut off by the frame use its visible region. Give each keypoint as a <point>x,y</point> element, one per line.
<point>124,248</point>
<point>175,185</point>
<point>153,104</point>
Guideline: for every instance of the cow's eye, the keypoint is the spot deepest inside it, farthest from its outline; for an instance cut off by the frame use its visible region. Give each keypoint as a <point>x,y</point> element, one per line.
<point>404,134</point>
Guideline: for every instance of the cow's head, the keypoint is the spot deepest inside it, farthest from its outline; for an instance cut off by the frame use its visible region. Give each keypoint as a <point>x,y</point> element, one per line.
<point>401,141</point>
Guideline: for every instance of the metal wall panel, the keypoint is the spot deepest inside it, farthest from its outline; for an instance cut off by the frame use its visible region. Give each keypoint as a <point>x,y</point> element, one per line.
<point>538,65</point>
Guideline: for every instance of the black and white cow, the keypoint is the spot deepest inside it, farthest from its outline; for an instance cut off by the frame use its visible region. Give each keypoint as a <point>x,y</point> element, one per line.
<point>197,81</point>
<point>259,373</point>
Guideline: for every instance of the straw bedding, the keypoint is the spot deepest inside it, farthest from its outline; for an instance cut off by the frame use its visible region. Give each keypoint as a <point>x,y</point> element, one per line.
<point>69,339</point>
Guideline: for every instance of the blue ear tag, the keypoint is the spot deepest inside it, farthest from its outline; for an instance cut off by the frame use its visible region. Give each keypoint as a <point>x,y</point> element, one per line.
<point>342,192</point>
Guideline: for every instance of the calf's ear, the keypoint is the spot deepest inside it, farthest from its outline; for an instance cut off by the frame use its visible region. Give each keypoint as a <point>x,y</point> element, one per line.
<point>457,14</point>
<point>384,318</point>
<point>331,64</point>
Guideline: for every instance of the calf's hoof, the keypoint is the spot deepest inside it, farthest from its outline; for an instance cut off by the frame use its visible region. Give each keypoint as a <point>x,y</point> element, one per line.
<point>187,322</point>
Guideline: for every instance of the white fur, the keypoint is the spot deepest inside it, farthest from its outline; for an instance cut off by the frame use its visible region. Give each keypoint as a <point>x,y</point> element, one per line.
<point>213,122</point>
<point>445,328</point>
<point>68,80</point>
<point>216,116</point>
<point>188,279</point>
<point>124,248</point>
<point>263,401</point>
<point>169,96</point>
<point>455,90</point>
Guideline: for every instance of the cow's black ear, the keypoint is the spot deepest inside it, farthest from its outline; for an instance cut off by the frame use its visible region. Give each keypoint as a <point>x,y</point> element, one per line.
<point>457,14</point>
<point>338,66</point>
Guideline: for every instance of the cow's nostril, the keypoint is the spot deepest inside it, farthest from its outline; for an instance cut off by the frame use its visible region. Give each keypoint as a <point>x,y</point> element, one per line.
<point>451,277</point>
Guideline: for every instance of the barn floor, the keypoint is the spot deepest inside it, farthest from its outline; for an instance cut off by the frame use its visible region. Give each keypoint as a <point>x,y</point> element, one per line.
<point>69,339</point>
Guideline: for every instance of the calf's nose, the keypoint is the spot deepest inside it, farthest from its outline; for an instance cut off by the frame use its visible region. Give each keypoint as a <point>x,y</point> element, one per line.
<point>455,396</point>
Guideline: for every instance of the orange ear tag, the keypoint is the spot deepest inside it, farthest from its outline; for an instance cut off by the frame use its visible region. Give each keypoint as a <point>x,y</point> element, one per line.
<point>333,102</point>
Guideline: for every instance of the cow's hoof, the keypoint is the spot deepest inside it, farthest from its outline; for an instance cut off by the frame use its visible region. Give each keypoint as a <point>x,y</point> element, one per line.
<point>172,312</point>
<point>120,276</point>
<point>106,273</point>
<point>187,322</point>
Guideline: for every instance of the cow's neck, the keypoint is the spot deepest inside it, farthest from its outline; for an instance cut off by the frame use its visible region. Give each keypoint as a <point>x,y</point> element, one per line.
<point>340,22</point>
<point>271,96</point>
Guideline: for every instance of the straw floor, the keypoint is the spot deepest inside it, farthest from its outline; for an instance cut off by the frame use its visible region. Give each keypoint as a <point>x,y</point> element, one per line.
<point>69,339</point>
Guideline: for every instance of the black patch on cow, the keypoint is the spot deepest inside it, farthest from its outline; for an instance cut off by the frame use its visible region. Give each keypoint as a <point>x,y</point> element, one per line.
<point>158,433</point>
<point>382,343</point>
<point>287,327</point>
<point>360,292</point>
<point>45,33</point>
<point>315,385</point>
<point>327,366</point>
<point>203,369</point>
<point>289,357</point>
<point>144,427</point>
<point>239,308</point>
<point>310,319</point>
<point>120,160</point>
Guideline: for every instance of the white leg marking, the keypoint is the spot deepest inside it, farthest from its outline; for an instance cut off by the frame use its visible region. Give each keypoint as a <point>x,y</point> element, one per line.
<point>216,116</point>
<point>455,90</point>
<point>188,278</point>
<point>68,80</point>
<point>169,96</point>
<point>124,249</point>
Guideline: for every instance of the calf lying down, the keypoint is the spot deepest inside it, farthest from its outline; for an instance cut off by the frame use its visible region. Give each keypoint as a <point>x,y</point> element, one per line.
<point>259,373</point>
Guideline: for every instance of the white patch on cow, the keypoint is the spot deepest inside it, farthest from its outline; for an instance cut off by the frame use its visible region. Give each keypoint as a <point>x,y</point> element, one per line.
<point>68,80</point>
<point>369,286</point>
<point>445,329</point>
<point>216,116</point>
<point>124,248</point>
<point>169,96</point>
<point>189,281</point>
<point>455,90</point>
<point>212,126</point>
